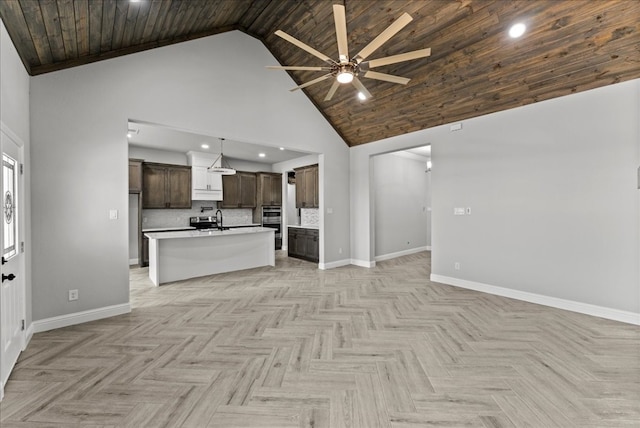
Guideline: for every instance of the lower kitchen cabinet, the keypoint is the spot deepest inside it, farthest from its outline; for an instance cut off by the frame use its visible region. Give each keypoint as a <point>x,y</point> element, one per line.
<point>144,260</point>
<point>304,244</point>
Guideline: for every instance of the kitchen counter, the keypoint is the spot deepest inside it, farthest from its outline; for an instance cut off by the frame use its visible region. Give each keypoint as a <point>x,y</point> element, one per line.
<point>300,226</point>
<point>204,233</point>
<point>161,229</point>
<point>178,255</point>
<point>174,228</point>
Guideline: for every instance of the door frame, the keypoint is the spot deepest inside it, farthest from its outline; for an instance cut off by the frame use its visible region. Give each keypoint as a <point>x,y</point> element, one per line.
<point>22,235</point>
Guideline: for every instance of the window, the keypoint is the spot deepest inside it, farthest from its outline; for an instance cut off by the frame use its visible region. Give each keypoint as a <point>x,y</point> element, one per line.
<point>9,208</point>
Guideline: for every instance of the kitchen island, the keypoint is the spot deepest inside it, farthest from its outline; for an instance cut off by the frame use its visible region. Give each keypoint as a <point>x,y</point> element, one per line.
<point>174,256</point>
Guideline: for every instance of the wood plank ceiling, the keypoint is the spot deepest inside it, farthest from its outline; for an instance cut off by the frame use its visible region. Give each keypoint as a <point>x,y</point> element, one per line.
<point>474,69</point>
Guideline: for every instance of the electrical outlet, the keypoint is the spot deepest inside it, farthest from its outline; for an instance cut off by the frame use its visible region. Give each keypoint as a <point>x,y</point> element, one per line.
<point>73,295</point>
<point>456,265</point>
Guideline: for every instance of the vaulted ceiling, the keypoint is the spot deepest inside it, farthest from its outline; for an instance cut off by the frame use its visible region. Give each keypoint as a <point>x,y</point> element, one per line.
<point>474,69</point>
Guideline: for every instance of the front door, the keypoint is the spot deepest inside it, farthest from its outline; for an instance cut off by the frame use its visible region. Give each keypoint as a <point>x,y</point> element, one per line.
<point>12,290</point>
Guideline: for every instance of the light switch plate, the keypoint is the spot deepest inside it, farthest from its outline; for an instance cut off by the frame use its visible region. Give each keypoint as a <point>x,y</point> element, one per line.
<point>113,214</point>
<point>458,211</point>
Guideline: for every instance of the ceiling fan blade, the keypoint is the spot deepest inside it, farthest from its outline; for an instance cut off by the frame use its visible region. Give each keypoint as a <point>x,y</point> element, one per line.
<point>304,46</point>
<point>386,77</point>
<point>360,87</point>
<point>312,82</point>
<point>332,90</point>
<point>408,56</point>
<point>382,38</point>
<point>295,67</point>
<point>341,32</point>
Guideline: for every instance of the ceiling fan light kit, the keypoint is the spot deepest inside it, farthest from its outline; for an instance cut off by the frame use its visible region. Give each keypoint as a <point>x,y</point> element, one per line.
<point>347,69</point>
<point>345,76</point>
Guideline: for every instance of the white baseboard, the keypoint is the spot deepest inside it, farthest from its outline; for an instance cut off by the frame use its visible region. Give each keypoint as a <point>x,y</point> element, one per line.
<point>80,317</point>
<point>363,263</point>
<point>133,262</point>
<point>27,336</point>
<point>554,302</point>
<point>401,253</point>
<point>332,265</point>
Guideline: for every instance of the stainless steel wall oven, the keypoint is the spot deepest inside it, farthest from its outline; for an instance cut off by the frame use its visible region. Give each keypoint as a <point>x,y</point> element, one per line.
<point>272,217</point>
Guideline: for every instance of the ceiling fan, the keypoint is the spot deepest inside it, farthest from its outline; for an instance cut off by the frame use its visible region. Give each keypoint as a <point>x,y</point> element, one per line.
<point>347,69</point>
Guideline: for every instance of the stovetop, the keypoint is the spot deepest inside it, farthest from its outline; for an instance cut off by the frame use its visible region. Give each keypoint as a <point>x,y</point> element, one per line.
<point>203,222</point>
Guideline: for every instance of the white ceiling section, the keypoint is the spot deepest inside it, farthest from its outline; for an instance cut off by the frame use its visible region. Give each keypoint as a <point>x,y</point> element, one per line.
<point>164,138</point>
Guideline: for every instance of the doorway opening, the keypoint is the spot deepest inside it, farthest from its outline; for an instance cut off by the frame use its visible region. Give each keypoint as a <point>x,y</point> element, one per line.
<point>401,198</point>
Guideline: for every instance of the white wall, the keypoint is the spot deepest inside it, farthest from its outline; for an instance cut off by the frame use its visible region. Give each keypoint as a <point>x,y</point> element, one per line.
<point>156,155</point>
<point>14,115</point>
<point>249,166</point>
<point>212,86</point>
<point>553,192</point>
<point>401,197</point>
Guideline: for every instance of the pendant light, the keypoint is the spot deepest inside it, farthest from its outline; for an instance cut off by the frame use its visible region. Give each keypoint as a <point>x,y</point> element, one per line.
<point>224,168</point>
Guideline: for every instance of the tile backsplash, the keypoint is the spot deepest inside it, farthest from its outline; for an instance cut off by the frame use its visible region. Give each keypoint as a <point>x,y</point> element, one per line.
<point>309,217</point>
<point>180,217</point>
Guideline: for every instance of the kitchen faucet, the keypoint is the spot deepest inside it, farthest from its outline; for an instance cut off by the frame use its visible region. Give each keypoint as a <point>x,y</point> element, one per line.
<point>219,222</point>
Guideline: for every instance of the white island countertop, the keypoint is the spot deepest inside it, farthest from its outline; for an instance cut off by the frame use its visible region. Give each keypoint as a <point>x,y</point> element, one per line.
<point>237,230</point>
<point>174,256</point>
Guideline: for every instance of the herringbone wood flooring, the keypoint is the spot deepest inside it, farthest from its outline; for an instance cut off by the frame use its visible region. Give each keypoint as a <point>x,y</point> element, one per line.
<point>293,346</point>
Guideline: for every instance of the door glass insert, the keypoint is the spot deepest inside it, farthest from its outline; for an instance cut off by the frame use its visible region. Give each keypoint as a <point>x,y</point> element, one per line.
<point>9,206</point>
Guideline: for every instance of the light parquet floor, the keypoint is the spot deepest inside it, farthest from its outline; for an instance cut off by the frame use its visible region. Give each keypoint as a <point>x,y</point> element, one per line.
<point>294,346</point>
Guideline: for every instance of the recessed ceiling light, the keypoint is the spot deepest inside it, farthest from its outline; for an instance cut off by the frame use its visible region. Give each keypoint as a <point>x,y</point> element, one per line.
<point>361,96</point>
<point>261,155</point>
<point>204,146</point>
<point>517,30</point>
<point>281,148</point>
<point>129,135</point>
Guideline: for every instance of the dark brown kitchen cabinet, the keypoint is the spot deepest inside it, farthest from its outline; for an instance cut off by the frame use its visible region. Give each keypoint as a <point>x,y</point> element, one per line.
<point>166,186</point>
<point>135,175</point>
<point>269,189</point>
<point>307,194</point>
<point>144,259</point>
<point>303,243</point>
<point>239,190</point>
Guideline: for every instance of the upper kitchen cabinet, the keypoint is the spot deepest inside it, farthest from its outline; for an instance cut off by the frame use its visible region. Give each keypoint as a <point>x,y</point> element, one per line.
<point>135,175</point>
<point>307,194</point>
<point>239,190</point>
<point>205,186</point>
<point>269,189</point>
<point>166,186</point>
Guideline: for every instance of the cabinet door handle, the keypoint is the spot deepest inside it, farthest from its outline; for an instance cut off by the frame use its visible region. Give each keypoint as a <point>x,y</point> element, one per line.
<point>9,277</point>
